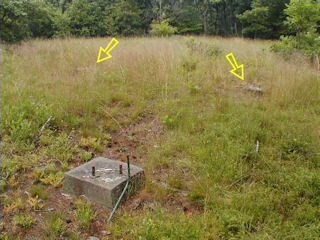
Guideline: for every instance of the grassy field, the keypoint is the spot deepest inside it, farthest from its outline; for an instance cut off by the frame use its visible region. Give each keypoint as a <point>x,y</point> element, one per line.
<point>173,105</point>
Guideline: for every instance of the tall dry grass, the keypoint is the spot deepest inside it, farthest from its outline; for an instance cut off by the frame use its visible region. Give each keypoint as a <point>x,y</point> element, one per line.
<point>66,74</point>
<point>211,126</point>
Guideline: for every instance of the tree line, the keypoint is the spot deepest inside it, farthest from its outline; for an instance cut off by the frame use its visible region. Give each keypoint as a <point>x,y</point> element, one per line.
<point>266,19</point>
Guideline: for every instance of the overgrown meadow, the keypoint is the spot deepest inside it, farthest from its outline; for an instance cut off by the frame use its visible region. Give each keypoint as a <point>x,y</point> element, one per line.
<point>174,107</point>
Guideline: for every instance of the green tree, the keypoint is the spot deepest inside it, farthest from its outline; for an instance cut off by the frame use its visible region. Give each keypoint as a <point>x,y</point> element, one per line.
<point>40,18</point>
<point>124,18</point>
<point>14,20</point>
<point>303,17</point>
<point>21,19</point>
<point>61,24</point>
<point>265,19</point>
<point>256,21</point>
<point>87,18</point>
<point>303,20</point>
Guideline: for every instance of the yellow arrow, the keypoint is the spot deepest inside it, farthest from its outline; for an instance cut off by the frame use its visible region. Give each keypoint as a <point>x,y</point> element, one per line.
<point>106,51</point>
<point>235,66</point>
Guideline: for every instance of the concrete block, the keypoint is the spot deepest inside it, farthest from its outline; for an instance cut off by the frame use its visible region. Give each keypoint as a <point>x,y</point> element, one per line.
<point>106,186</point>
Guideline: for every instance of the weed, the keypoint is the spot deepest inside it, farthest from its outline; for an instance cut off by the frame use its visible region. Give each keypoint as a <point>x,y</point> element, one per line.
<point>85,156</point>
<point>39,190</point>
<point>175,182</point>
<point>25,221</point>
<point>171,121</point>
<point>56,225</point>
<point>61,150</point>
<point>38,174</point>
<point>23,120</point>
<point>3,184</point>
<point>91,142</point>
<point>55,179</point>
<point>84,214</point>
<point>35,203</point>
<point>13,206</point>
<point>161,225</point>
<point>194,88</point>
<point>49,175</point>
<point>189,65</point>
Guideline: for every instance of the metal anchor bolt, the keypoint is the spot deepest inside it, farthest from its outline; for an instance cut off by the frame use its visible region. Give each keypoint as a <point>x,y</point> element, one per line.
<point>93,172</point>
<point>120,168</point>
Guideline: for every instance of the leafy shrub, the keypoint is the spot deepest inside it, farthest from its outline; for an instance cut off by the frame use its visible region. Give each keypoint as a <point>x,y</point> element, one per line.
<point>286,46</point>
<point>310,43</point>
<point>206,49</point>
<point>303,18</point>
<point>163,29</point>
<point>213,50</point>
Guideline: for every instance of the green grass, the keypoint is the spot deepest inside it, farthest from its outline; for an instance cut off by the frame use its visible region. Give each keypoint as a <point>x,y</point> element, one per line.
<point>84,215</point>
<point>56,226</point>
<point>206,129</point>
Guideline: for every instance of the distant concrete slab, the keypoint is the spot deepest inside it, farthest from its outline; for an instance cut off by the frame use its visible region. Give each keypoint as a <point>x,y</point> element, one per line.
<point>106,186</point>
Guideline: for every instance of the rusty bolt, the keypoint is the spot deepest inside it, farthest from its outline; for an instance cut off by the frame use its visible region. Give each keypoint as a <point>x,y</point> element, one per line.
<point>93,172</point>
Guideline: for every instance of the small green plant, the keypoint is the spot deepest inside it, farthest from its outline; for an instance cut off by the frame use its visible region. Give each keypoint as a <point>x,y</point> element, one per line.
<point>38,174</point>
<point>189,65</point>
<point>22,121</point>
<point>55,179</point>
<point>91,142</point>
<point>61,149</point>
<point>2,185</point>
<point>4,236</point>
<point>171,121</point>
<point>84,214</point>
<point>50,175</point>
<point>175,182</point>
<point>85,156</point>
<point>295,148</point>
<point>11,206</point>
<point>35,203</point>
<point>213,51</point>
<point>39,190</point>
<point>25,221</point>
<point>193,88</point>
<point>163,29</point>
<point>56,225</point>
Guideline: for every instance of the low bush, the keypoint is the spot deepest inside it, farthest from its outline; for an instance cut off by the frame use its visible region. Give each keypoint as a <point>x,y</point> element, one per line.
<point>163,29</point>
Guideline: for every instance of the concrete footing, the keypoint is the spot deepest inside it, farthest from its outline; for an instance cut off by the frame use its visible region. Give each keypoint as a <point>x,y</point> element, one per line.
<point>100,181</point>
